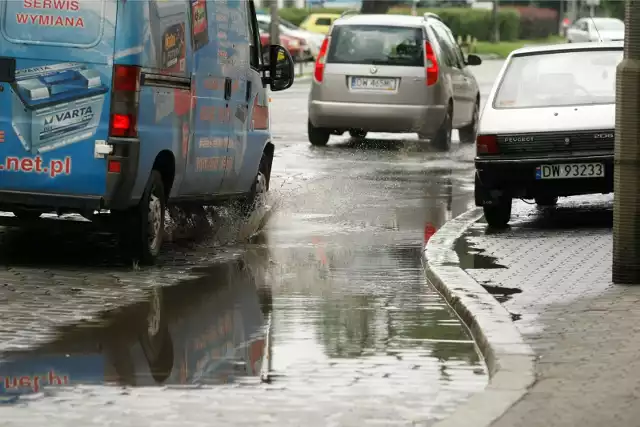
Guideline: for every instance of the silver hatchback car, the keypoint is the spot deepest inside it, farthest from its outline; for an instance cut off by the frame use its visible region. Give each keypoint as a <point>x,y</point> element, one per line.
<point>393,73</point>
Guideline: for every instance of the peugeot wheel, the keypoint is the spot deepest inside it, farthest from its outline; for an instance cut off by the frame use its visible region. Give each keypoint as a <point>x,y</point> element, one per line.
<point>499,213</point>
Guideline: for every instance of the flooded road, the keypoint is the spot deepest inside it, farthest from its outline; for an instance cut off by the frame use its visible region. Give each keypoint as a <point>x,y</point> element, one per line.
<point>324,318</point>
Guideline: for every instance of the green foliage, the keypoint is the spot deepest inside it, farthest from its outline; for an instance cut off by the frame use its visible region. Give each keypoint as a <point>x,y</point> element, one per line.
<point>462,21</point>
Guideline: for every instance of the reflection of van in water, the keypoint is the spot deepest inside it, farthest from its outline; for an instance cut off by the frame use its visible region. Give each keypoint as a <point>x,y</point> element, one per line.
<point>116,124</point>
<point>209,330</point>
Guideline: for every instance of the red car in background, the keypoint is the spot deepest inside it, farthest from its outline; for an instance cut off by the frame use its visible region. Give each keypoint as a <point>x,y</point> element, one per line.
<point>298,48</point>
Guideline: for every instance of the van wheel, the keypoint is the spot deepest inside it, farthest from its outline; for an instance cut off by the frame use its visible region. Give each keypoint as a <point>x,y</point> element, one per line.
<point>317,136</point>
<point>258,193</point>
<point>27,215</point>
<point>144,224</point>
<point>442,140</point>
<point>469,132</point>
<point>498,214</point>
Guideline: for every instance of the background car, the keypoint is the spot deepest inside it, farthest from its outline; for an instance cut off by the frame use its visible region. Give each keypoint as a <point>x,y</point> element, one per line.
<point>319,22</point>
<point>313,40</point>
<point>392,73</point>
<point>296,47</point>
<point>596,29</point>
<point>548,128</point>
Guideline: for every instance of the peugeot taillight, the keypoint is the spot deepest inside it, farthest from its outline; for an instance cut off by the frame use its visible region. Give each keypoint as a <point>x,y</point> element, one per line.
<point>124,101</point>
<point>432,64</point>
<point>486,144</point>
<point>320,61</point>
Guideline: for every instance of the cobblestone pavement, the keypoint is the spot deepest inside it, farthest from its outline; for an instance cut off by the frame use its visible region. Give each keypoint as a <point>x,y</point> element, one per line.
<point>552,269</point>
<point>333,297</point>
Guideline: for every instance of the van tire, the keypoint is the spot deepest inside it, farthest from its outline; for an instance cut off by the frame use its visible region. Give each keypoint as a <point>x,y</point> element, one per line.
<point>27,215</point>
<point>258,192</point>
<point>442,140</point>
<point>317,136</point>
<point>144,224</point>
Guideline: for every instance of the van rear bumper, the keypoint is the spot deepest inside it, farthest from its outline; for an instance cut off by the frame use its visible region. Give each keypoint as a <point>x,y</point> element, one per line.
<point>425,119</point>
<point>119,187</point>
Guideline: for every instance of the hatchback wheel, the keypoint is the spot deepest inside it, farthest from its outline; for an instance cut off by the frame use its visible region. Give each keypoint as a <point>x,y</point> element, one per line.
<point>442,140</point>
<point>317,136</point>
<point>499,213</point>
<point>469,132</point>
<point>546,201</point>
<point>358,133</point>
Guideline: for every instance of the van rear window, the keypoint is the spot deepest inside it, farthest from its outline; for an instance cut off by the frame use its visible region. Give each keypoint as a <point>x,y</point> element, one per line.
<point>77,23</point>
<point>377,45</point>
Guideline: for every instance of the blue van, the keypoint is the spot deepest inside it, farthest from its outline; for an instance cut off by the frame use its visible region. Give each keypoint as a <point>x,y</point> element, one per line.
<point>114,108</point>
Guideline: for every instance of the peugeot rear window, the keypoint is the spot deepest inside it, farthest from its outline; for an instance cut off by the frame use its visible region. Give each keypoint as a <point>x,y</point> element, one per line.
<point>377,45</point>
<point>554,79</point>
<point>77,23</point>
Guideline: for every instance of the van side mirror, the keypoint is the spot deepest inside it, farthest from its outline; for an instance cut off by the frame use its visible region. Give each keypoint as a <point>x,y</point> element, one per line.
<point>281,69</point>
<point>473,59</point>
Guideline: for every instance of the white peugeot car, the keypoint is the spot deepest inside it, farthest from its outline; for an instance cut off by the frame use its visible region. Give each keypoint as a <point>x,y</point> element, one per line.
<point>548,127</point>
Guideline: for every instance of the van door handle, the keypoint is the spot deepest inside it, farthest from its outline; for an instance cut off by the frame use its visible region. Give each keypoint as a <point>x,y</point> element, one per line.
<point>227,88</point>
<point>248,94</point>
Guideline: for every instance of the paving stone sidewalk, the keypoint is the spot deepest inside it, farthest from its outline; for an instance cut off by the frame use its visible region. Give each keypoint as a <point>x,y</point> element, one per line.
<point>584,329</point>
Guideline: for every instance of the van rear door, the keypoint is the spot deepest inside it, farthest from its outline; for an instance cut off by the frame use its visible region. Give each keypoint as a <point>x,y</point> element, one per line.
<point>55,78</point>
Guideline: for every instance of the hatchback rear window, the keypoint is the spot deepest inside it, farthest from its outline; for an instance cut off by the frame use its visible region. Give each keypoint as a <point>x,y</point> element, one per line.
<point>584,77</point>
<point>377,45</point>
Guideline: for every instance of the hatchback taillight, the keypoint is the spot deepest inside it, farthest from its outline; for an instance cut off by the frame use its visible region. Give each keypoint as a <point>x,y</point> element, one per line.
<point>432,64</point>
<point>486,144</point>
<point>124,101</point>
<point>318,73</point>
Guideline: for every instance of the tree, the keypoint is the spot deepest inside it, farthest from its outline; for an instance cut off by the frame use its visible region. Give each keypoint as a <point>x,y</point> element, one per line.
<point>378,6</point>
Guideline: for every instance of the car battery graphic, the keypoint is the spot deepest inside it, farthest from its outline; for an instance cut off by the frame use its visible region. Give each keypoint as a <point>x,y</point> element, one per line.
<point>56,105</point>
<point>168,20</point>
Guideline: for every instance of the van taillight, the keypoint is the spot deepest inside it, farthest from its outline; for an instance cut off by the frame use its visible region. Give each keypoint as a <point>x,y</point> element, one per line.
<point>486,144</point>
<point>318,73</point>
<point>432,64</point>
<point>124,101</point>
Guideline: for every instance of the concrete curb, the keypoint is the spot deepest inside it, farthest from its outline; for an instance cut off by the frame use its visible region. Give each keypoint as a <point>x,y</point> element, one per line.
<point>510,361</point>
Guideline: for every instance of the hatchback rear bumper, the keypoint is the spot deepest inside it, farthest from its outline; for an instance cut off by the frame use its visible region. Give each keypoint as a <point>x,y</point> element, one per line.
<point>377,117</point>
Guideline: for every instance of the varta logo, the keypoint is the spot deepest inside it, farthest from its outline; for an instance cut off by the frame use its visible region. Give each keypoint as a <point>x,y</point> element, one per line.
<point>78,113</point>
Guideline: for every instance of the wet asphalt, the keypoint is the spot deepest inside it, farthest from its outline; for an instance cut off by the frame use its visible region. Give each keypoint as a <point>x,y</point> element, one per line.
<point>315,311</point>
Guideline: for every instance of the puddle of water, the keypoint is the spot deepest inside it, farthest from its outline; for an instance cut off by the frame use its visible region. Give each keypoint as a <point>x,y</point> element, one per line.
<point>471,257</point>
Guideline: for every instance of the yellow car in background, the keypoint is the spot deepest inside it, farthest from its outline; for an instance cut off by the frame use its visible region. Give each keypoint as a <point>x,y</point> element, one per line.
<point>319,22</point>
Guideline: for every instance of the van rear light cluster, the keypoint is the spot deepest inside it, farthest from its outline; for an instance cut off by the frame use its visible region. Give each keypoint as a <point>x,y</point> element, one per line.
<point>124,101</point>
<point>486,144</point>
<point>432,64</point>
<point>318,73</point>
